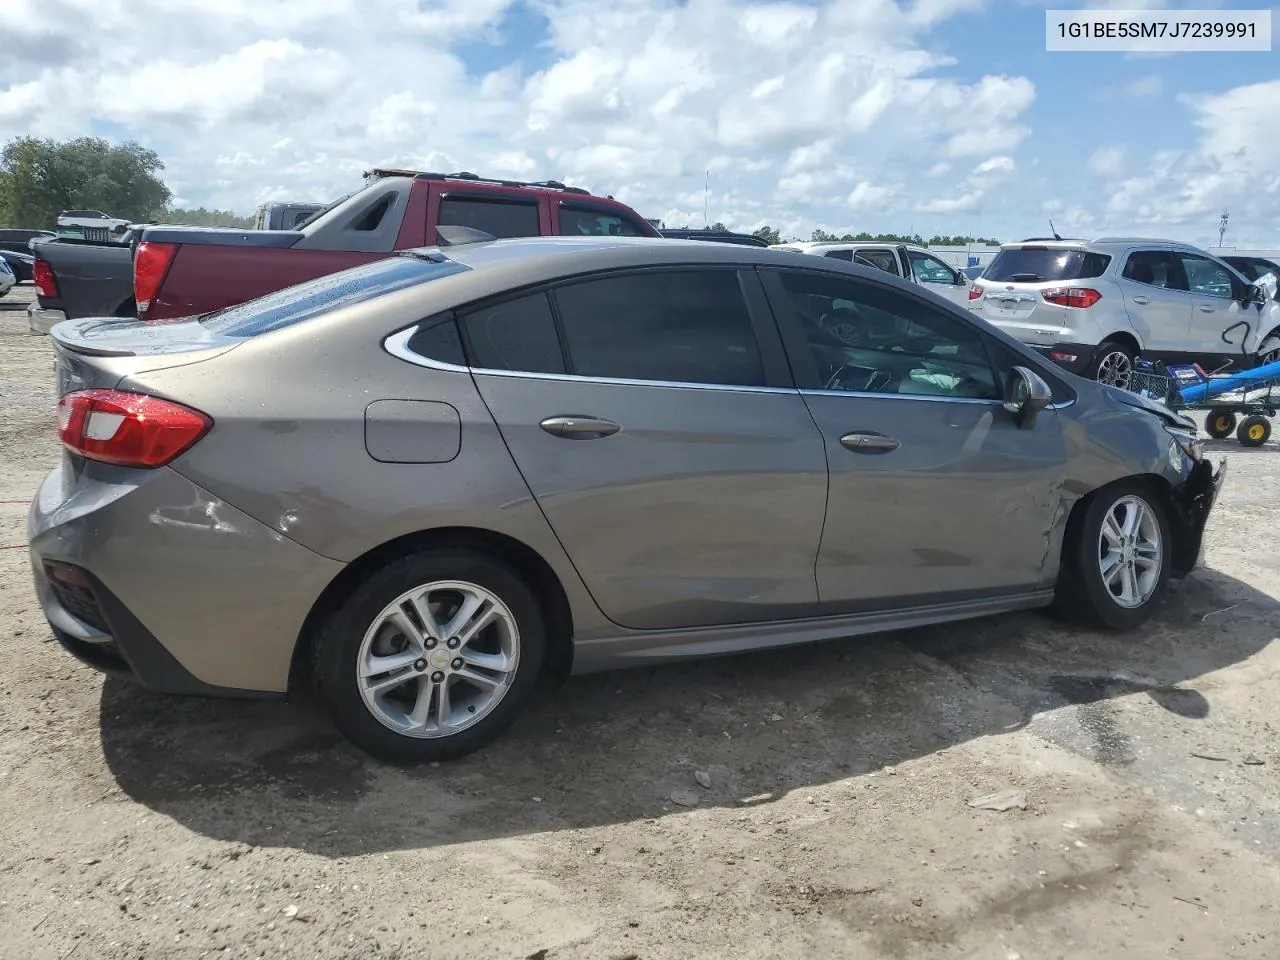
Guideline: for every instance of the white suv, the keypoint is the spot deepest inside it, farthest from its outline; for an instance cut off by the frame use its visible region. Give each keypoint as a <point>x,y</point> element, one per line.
<point>901,259</point>
<point>1093,306</point>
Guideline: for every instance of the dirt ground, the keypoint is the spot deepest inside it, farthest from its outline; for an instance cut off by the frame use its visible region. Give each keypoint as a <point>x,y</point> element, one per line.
<point>836,822</point>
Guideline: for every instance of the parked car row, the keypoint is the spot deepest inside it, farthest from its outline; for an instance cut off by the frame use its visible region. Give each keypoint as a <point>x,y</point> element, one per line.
<point>1094,307</point>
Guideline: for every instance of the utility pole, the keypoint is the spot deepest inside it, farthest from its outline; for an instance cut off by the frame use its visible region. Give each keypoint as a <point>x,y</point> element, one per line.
<point>706,201</point>
<point>1222,225</point>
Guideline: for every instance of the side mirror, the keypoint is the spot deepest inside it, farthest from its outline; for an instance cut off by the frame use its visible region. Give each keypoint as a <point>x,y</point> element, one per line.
<point>961,280</point>
<point>1026,394</point>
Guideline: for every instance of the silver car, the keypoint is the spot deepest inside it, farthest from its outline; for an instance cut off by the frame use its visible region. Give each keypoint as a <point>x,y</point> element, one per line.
<point>423,483</point>
<point>1094,306</point>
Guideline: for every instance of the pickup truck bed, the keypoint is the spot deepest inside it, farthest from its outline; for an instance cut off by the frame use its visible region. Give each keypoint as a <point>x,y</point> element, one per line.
<point>89,278</point>
<point>183,271</point>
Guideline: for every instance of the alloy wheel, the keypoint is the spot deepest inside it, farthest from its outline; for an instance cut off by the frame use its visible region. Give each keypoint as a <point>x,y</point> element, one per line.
<point>1115,368</point>
<point>438,659</point>
<point>1130,552</point>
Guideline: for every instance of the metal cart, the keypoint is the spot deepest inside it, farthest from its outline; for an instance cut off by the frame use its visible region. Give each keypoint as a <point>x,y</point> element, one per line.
<point>1244,402</point>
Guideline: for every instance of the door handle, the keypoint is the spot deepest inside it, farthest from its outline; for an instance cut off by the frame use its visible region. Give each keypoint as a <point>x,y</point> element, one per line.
<point>1205,308</point>
<point>1142,300</point>
<point>869,443</point>
<point>579,428</point>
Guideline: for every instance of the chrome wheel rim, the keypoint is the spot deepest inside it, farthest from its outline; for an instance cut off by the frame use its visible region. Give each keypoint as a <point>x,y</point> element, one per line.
<point>846,332</point>
<point>1130,552</point>
<point>1115,368</point>
<point>438,659</point>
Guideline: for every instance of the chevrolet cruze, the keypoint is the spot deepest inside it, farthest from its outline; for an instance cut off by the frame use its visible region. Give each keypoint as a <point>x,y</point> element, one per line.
<point>422,483</point>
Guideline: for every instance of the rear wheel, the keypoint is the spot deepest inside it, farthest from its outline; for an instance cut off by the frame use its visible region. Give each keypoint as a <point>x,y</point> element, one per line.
<point>1115,562</point>
<point>1254,431</point>
<point>1219,423</point>
<point>1112,364</point>
<point>432,657</point>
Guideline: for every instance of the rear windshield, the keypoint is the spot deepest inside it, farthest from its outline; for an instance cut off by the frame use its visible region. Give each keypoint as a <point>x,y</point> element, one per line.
<point>1044,264</point>
<point>293,305</point>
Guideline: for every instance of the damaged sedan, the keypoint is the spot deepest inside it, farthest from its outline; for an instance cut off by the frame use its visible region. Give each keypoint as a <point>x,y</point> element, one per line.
<point>424,483</point>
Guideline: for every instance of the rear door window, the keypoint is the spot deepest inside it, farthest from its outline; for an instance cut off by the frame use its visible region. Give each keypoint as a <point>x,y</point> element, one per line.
<point>1045,265</point>
<point>498,218</point>
<point>886,260</point>
<point>518,335</point>
<point>584,221</point>
<point>672,326</point>
<point>293,305</point>
<point>1155,268</point>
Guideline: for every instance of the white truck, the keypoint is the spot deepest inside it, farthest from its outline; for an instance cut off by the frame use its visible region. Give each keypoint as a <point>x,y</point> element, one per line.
<point>90,225</point>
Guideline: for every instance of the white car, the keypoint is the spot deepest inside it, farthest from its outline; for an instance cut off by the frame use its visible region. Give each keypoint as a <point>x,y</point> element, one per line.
<point>7,279</point>
<point>901,259</point>
<point>95,220</point>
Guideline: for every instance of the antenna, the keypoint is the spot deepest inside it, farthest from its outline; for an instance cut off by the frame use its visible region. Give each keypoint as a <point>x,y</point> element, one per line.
<point>706,200</point>
<point>1054,231</point>
<point>1222,225</point>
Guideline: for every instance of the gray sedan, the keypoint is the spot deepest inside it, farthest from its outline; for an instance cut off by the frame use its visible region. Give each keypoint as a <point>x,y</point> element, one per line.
<point>423,483</point>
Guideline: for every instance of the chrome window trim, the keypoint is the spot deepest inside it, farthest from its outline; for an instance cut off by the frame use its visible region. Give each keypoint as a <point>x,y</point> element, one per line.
<point>397,344</point>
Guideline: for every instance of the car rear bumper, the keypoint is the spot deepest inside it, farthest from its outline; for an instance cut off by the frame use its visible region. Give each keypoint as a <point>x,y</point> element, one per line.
<point>1074,357</point>
<point>144,575</point>
<point>40,321</point>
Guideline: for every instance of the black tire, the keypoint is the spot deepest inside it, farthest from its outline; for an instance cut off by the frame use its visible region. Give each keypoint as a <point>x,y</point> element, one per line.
<point>1219,424</point>
<point>1081,595</point>
<point>338,648</point>
<point>1254,431</point>
<point>1111,356</point>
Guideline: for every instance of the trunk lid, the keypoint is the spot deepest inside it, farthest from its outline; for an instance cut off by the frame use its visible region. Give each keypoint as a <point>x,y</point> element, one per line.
<point>101,351</point>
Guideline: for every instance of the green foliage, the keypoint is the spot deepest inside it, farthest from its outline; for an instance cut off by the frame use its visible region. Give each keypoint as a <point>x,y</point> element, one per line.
<point>768,234</point>
<point>41,178</point>
<point>200,217</point>
<point>822,236</point>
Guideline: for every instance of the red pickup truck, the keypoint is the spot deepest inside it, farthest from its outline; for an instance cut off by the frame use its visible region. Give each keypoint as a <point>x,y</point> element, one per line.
<point>182,271</point>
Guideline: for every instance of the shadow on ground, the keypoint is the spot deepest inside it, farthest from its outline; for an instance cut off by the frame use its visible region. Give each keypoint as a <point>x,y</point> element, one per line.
<point>611,748</point>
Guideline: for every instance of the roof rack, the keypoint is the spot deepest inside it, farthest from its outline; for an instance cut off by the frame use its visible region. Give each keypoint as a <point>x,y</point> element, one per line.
<point>377,173</point>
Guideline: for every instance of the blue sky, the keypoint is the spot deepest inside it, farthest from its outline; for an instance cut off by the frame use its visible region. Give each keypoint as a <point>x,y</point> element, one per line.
<point>938,116</point>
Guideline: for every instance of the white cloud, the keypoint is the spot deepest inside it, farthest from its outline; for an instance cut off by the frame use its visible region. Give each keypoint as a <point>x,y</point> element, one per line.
<point>1107,161</point>
<point>996,165</point>
<point>1152,85</point>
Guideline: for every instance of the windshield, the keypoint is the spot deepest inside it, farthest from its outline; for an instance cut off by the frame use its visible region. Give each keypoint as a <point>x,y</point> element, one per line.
<point>293,305</point>
<point>1044,264</point>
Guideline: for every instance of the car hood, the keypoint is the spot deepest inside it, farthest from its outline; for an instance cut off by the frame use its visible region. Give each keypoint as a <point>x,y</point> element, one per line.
<point>1139,402</point>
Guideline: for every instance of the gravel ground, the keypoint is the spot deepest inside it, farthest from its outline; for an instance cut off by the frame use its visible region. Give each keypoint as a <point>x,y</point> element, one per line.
<point>836,821</point>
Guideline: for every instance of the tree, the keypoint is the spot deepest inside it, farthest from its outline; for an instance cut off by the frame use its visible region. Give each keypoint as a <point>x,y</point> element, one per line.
<point>200,217</point>
<point>767,234</point>
<point>41,178</point>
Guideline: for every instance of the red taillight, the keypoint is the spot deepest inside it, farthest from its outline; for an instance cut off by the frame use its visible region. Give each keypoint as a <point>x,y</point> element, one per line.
<point>45,281</point>
<point>976,292</point>
<point>150,264</point>
<point>1071,296</point>
<point>128,429</point>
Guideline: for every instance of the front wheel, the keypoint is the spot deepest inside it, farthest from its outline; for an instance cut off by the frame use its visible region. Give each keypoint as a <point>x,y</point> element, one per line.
<point>432,657</point>
<point>1116,558</point>
<point>1112,364</point>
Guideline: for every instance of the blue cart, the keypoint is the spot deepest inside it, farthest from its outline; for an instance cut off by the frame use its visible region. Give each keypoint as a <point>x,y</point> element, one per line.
<point>1244,402</point>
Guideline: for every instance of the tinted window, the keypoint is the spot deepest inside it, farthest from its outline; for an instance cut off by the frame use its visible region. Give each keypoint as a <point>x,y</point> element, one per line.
<point>839,254</point>
<point>1205,277</point>
<point>498,218</point>
<point>1155,268</point>
<point>516,335</point>
<point>1041,264</point>
<point>867,338</point>
<point>929,269</point>
<point>295,304</point>
<point>439,340</point>
<point>588,222</point>
<point>881,259</point>
<point>680,326</point>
